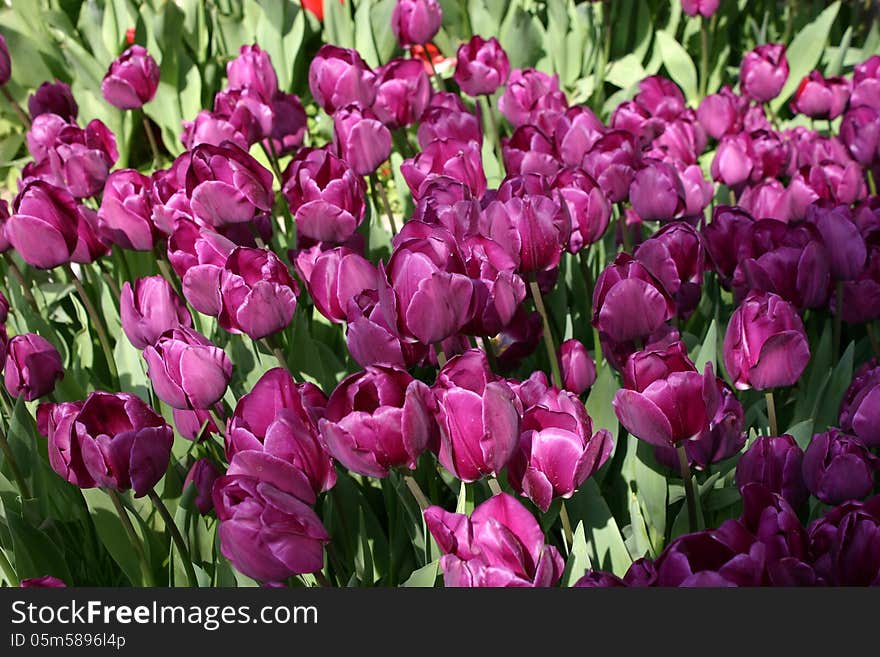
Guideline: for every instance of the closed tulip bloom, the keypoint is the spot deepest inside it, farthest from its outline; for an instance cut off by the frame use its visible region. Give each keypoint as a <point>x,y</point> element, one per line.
<point>860,408</point>
<point>860,131</point>
<point>373,340</point>
<point>500,545</point>
<point>845,544</point>
<point>4,305</point>
<point>448,124</point>
<point>763,72</point>
<point>674,256</point>
<point>611,163</point>
<point>557,449</point>
<point>448,203</point>
<point>415,22</point>
<point>53,98</point>
<point>483,444</point>
<point>187,370</point>
<point>340,77</point>
<point>360,138</point>
<point>481,66</point>
<point>498,290</point>
<point>43,225</point>
<point>723,557</point>
<point>253,70</point>
<point>446,157</point>
<point>289,124</point>
<point>588,207</point>
<point>325,196</point>
<point>734,160</point>
<point>845,246</point>
<point>246,112</point>
<point>125,217</point>
<point>377,420</point>
<point>528,150</point>
<point>656,192</point>
<point>628,302</point>
<point>211,128</point>
<point>661,98</point>
<point>149,309</point>
<point>42,134</point>
<point>32,367</point>
<point>403,91</point>
<point>578,368</point>
<point>258,294</point>
<point>202,476</point>
<point>338,276</point>
<point>132,79</point>
<point>705,8</point>
<point>720,114</point>
<point>838,468</point>
<point>197,256</point>
<point>765,345</point>
<point>575,134</point>
<point>821,98</point>
<point>727,239</point>
<point>110,440</point>
<point>775,462</point>
<point>769,199</point>
<point>45,582</point>
<point>80,159</point>
<point>534,97</point>
<point>5,62</point>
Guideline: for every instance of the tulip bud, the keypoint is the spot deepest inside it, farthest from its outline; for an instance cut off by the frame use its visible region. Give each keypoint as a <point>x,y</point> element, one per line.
<point>674,256</point>
<point>533,97</point>
<point>661,98</point>
<point>446,157</point>
<point>403,91</point>
<point>53,98</point>
<point>360,139</point>
<point>481,66</point>
<point>705,8</point>
<point>149,309</point>
<point>860,131</point>
<point>720,114</point>
<point>253,70</point>
<point>132,79</point>
<point>844,544</point>
<point>45,582</point>
<point>340,77</point>
<point>187,370</point>
<point>578,368</point>
<point>500,545</point>
<point>821,98</point>
<point>202,475</point>
<point>339,275</point>
<point>125,217</point>
<point>656,192</point>
<point>775,462</point>
<point>415,22</point>
<point>838,468</point>
<point>32,367</point>
<point>860,408</point>
<point>43,225</point>
<point>763,72</point>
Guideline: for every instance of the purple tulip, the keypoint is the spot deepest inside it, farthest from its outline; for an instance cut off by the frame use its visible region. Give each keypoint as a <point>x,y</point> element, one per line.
<point>681,142</point>
<point>860,131</point>
<point>656,192</point>
<point>661,98</point>
<point>4,308</point>
<point>32,367</point>
<point>765,345</point>
<point>43,225</point>
<point>674,256</point>
<point>377,420</point>
<point>845,246</point>
<point>500,545</point>
<point>479,417</point>
<point>775,462</point>
<point>211,128</point>
<point>446,157</point>
<point>45,582</point>
<point>253,70</point>
<point>246,112</point>
<point>325,196</point>
<point>588,207</point>
<point>373,340</point>
<point>415,22</point>
<point>734,160</point>
<point>339,275</point>
<point>360,139</point>
<point>763,72</point>
<point>403,91</point>
<point>449,203</point>
<point>132,79</point>
<point>149,309</point>
<point>628,302</point>
<point>125,217</point>
<point>557,449</point>
<point>769,199</point>
<point>197,256</point>
<point>533,97</point>
<point>498,290</point>
<point>80,159</point>
<point>53,98</point>
<point>110,440</point>
<point>5,62</point>
<point>481,66</point>
<point>340,77</point>
<point>838,468</point>
<point>724,557</point>
<point>845,544</point>
<point>860,408</point>
<point>578,368</point>
<point>258,294</point>
<point>721,114</point>
<point>42,134</point>
<point>528,150</point>
<point>202,475</point>
<point>866,83</point>
<point>289,124</point>
<point>705,8</point>
<point>187,370</point>
<point>861,297</point>
<point>634,119</point>
<point>821,98</point>
<point>195,425</point>
<point>611,163</point>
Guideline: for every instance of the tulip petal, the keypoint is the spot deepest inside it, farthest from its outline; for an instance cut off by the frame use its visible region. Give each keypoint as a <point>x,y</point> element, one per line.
<point>642,418</point>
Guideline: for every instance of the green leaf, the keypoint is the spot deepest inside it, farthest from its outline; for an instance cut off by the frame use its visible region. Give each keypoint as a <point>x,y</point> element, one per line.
<point>679,65</point>
<point>578,559</point>
<point>112,534</point>
<point>829,403</point>
<point>652,493</point>
<point>599,403</point>
<point>424,577</point>
<point>35,553</point>
<point>606,548</point>
<point>708,349</point>
<point>802,432</point>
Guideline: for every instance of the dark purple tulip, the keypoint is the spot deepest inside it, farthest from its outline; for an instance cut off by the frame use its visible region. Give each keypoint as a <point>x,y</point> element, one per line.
<point>111,440</point>
<point>705,8</point>
<point>415,22</point>
<point>720,114</point>
<point>43,225</point>
<point>557,449</point>
<point>449,203</point>
<point>575,134</point>
<point>821,98</point>
<point>628,302</point>
<point>450,125</point>
<point>253,70</point>
<point>325,196</point>
<point>45,582</point>
<point>187,370</point>
<point>528,150</point>
<point>674,256</point>
<point>446,157</point>
<point>765,345</point>
<point>597,579</point>
<point>518,339</point>
<point>32,367</point>
<point>125,217</point>
<point>53,98</point>
<point>763,72</point>
<point>340,77</point>
<point>656,192</point>
<point>838,468</point>
<point>481,66</point>
<point>660,97</point>
<point>578,368</point>
<point>196,425</point>
<point>533,97</point>
<point>860,131</point>
<point>89,243</point>
<point>246,112</point>
<point>845,246</point>
<point>360,139</point>
<point>226,185</point>
<point>775,462</point>
<point>80,159</point>
<point>676,405</point>
<point>403,91</point>
<point>498,290</point>
<point>377,420</point>
<point>845,544</point>
<point>860,408</point>
<point>4,308</point>
<point>266,531</point>
<point>373,340</point>
<point>258,294</point>
<point>211,128</point>
<point>197,256</point>
<point>5,62</point>
<point>500,545</point>
<point>338,276</point>
<point>289,124</point>
<point>588,207</point>
<point>202,475</point>
<point>611,163</point>
<point>4,238</point>
<point>149,309</point>
<point>723,557</point>
<point>479,417</point>
<point>132,79</point>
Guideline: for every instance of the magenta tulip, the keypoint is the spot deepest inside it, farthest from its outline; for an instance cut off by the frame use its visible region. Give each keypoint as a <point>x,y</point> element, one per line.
<point>149,309</point>
<point>132,79</point>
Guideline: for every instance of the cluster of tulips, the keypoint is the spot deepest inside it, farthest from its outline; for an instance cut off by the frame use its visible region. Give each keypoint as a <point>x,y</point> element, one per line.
<point>439,326</point>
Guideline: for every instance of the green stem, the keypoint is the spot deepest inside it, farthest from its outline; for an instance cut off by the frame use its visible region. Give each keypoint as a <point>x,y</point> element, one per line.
<point>154,145</point>
<point>552,356</point>
<point>22,281</point>
<point>441,354</point>
<point>97,322</point>
<point>493,128</point>
<point>13,466</point>
<point>416,491</point>
<point>272,156</point>
<point>704,60</point>
<point>22,115</point>
<point>872,184</point>
<point>494,486</point>
<point>132,536</point>
<point>490,353</point>
<point>322,579</point>
<point>8,570</point>
<point>176,537</point>
<point>271,344</point>
<point>771,413</point>
<point>108,278</point>
<point>685,468</point>
<point>378,189</point>
<point>566,525</point>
